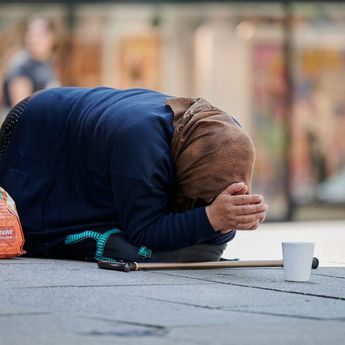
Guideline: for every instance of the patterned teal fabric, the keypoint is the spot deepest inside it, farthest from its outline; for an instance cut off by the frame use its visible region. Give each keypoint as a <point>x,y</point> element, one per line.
<point>145,252</point>
<point>71,239</point>
<point>101,240</point>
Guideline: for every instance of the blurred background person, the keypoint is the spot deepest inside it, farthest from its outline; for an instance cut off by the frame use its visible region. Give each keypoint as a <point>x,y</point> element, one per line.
<point>31,69</point>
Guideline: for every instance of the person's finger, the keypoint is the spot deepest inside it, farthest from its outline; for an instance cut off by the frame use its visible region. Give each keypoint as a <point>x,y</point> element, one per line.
<point>247,199</point>
<point>247,209</point>
<point>254,227</point>
<point>248,226</point>
<point>242,227</point>
<point>255,217</point>
<point>234,188</point>
<point>261,220</point>
<point>243,191</point>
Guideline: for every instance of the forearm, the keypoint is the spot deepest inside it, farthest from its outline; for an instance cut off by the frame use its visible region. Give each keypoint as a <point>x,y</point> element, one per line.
<point>173,231</point>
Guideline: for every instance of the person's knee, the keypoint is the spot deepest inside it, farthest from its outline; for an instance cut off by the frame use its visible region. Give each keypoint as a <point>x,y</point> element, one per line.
<point>197,253</point>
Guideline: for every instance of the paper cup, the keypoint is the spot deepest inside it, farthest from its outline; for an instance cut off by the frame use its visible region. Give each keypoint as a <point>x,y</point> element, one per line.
<point>297,258</point>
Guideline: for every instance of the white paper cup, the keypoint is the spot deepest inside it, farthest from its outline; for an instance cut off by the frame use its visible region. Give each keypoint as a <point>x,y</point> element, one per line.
<point>297,259</point>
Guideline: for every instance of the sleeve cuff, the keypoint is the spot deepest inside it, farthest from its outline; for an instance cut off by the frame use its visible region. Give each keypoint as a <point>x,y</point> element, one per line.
<point>205,224</point>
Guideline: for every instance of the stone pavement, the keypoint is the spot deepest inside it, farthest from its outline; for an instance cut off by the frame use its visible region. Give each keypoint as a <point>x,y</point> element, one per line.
<point>47,302</point>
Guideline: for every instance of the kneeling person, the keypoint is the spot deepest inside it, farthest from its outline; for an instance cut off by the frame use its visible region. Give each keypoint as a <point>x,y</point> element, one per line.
<point>127,174</point>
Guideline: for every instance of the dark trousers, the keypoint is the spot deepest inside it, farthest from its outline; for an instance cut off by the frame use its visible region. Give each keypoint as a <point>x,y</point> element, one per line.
<point>113,246</point>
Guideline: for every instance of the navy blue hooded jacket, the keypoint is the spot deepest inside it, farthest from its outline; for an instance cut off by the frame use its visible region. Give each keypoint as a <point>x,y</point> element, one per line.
<point>87,159</point>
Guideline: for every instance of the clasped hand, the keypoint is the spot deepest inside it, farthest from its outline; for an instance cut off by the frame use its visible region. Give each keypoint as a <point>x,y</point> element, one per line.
<point>234,209</point>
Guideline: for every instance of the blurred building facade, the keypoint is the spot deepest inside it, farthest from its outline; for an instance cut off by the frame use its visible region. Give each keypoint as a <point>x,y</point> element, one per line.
<point>234,55</point>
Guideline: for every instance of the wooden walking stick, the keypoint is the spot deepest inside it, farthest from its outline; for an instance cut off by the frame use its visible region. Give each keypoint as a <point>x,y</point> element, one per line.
<point>138,266</point>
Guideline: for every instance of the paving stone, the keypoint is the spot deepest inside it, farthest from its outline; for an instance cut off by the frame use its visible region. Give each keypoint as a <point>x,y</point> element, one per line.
<point>265,330</point>
<point>59,328</point>
<point>53,302</point>
<point>324,282</point>
<point>249,300</point>
<point>65,273</point>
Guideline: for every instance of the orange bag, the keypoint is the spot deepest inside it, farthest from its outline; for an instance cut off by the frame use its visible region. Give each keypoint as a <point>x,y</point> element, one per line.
<point>11,232</point>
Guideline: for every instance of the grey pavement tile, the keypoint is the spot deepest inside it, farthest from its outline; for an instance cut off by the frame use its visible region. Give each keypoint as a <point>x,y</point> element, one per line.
<point>55,328</point>
<point>64,302</point>
<point>335,272</point>
<point>322,282</point>
<point>74,273</point>
<point>248,300</point>
<point>166,305</point>
<point>227,329</point>
<point>104,304</point>
<point>63,339</point>
<point>265,330</point>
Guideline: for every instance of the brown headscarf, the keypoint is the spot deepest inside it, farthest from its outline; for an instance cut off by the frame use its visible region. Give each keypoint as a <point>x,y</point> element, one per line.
<point>209,149</point>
